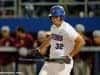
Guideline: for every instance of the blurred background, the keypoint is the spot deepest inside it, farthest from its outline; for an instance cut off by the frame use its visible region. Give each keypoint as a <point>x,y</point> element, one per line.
<point>24,23</point>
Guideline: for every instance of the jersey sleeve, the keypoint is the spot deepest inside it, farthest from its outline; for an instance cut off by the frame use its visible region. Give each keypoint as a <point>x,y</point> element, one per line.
<point>71,32</point>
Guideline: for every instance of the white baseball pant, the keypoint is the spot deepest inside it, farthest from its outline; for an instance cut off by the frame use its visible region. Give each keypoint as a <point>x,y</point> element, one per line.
<point>51,68</point>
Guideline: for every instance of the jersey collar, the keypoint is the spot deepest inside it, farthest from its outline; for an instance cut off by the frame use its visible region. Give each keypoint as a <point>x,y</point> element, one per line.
<point>60,26</point>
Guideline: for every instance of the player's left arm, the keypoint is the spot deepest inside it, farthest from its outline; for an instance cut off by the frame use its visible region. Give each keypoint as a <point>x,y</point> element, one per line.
<point>76,38</point>
<point>79,43</point>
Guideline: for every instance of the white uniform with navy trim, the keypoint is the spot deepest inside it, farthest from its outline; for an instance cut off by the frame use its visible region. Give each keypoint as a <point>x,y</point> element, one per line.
<point>62,43</point>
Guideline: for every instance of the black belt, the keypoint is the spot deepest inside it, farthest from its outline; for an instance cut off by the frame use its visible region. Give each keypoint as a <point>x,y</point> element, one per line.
<point>62,60</point>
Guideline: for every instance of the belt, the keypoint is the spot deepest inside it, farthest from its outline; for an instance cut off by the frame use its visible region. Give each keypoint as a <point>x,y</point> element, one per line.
<point>64,59</point>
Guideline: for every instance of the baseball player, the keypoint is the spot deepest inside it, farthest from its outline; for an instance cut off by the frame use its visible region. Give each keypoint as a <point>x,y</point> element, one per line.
<point>65,43</point>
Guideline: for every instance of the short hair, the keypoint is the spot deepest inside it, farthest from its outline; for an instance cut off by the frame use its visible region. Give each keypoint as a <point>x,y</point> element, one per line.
<point>20,29</point>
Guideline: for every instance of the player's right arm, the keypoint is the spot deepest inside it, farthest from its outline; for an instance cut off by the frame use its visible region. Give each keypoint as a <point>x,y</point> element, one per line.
<point>43,47</point>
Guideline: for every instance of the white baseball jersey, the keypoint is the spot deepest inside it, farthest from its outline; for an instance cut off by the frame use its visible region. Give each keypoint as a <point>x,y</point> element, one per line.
<point>63,40</point>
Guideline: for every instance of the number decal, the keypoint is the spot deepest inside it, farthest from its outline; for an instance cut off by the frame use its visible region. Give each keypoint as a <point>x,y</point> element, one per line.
<point>59,46</point>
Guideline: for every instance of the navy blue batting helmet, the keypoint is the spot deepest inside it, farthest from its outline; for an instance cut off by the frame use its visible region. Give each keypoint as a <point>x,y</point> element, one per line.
<point>57,10</point>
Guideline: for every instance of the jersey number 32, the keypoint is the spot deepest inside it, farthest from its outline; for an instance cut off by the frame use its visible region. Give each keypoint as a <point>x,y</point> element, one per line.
<point>59,46</point>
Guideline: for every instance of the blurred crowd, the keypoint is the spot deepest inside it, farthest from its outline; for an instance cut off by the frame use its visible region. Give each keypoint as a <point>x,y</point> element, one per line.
<point>28,8</point>
<point>21,39</point>
<point>71,9</point>
<point>84,63</point>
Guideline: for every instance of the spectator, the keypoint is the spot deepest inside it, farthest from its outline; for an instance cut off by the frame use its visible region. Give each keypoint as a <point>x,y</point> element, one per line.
<point>81,14</point>
<point>6,59</point>
<point>81,68</point>
<point>91,14</point>
<point>96,37</point>
<point>41,36</point>
<point>81,29</point>
<point>25,40</point>
<point>82,63</point>
<point>29,10</point>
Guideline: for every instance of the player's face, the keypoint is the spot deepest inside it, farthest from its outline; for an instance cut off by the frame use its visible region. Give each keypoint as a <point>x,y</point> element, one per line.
<point>56,20</point>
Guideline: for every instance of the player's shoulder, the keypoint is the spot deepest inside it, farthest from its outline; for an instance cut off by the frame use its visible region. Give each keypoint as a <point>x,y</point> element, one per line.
<point>68,28</point>
<point>66,24</point>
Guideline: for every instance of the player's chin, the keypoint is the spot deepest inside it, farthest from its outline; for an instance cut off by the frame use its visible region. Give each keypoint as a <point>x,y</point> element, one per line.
<point>55,23</point>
